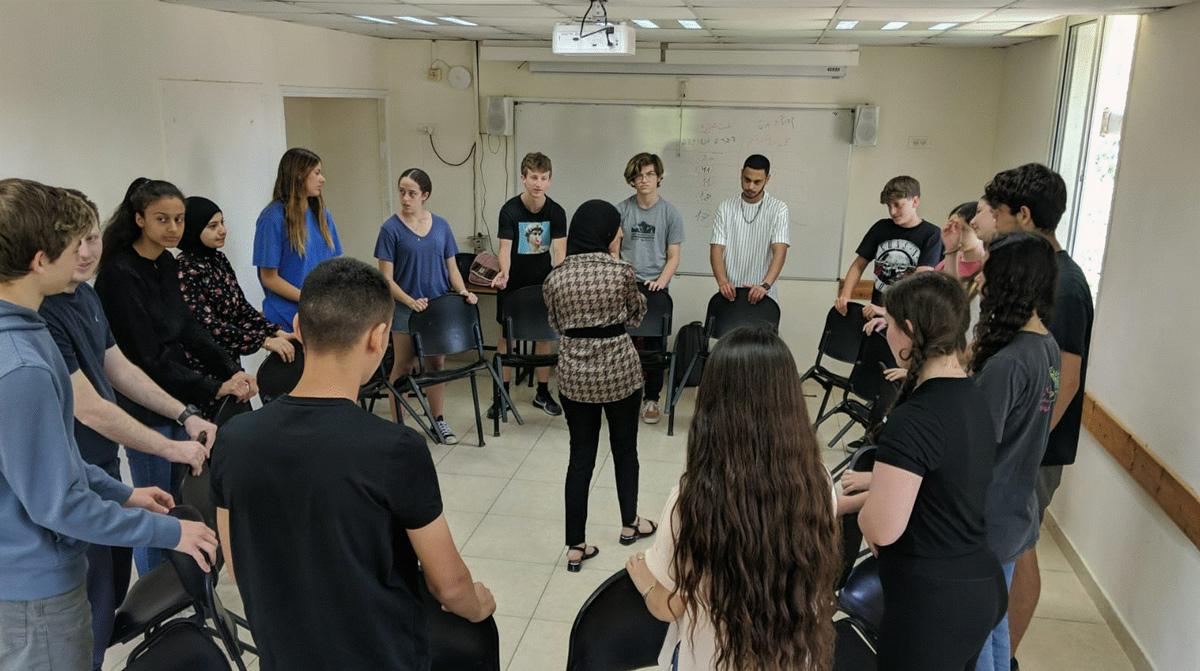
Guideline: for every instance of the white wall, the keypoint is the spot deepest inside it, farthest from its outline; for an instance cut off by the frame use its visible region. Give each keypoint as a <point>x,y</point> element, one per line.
<point>98,93</point>
<point>1145,366</point>
<point>1028,96</point>
<point>950,96</point>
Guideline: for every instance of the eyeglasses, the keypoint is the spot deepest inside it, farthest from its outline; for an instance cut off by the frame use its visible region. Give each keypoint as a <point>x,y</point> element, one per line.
<point>645,176</point>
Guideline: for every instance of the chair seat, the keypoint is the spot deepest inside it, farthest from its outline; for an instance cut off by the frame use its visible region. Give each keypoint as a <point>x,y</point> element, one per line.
<point>826,378</point>
<point>528,360</point>
<point>446,375</point>
<point>861,597</point>
<point>153,598</point>
<point>655,360</point>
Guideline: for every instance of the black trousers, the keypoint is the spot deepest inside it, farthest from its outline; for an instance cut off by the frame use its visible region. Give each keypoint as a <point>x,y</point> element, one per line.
<point>938,612</point>
<point>654,378</point>
<point>583,421</point>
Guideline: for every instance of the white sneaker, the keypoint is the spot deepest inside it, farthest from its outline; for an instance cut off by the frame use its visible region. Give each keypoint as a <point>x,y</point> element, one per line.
<point>448,437</point>
<point>650,412</point>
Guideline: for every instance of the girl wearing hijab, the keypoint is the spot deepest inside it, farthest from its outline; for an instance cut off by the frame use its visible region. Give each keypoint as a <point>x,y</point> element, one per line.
<point>591,298</point>
<point>211,290</point>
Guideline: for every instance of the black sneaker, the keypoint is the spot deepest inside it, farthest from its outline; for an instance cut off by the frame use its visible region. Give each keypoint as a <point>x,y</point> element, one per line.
<point>547,405</point>
<point>491,411</point>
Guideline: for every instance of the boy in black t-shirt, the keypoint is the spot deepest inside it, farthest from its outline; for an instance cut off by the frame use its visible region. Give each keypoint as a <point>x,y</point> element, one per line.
<point>1033,198</point>
<point>533,239</point>
<point>331,507</point>
<point>899,246</point>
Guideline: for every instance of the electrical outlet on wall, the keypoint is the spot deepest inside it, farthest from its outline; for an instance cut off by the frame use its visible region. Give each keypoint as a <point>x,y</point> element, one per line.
<point>480,242</point>
<point>426,128</point>
<point>918,142</point>
<point>434,74</point>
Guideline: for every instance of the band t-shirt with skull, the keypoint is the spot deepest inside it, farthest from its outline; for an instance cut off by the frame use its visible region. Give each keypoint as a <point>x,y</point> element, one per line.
<point>898,251</point>
<point>531,234</point>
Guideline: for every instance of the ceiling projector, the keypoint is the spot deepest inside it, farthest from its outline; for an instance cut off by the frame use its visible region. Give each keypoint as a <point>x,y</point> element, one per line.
<point>593,38</point>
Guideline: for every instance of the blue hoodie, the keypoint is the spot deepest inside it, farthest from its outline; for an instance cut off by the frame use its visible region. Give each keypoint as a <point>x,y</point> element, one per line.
<point>52,503</point>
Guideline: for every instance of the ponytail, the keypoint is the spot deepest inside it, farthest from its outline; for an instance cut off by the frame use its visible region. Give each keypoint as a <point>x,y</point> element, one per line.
<point>122,230</point>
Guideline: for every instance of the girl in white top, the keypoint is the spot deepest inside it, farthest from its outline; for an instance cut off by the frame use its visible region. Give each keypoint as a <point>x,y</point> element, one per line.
<point>745,565</point>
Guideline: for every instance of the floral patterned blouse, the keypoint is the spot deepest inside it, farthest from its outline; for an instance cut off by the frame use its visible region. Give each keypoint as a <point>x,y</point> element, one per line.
<point>211,290</point>
<point>587,291</point>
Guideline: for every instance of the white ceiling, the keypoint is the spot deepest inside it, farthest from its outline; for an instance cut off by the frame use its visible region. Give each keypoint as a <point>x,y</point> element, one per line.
<point>787,22</point>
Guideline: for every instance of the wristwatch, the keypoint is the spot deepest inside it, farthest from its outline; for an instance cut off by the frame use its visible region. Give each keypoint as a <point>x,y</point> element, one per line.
<point>188,411</point>
<point>766,285</point>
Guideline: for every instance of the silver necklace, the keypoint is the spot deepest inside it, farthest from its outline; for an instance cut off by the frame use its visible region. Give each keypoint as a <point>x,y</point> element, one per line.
<point>758,209</point>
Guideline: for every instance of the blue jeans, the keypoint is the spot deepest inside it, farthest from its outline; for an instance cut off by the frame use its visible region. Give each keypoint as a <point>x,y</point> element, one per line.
<point>149,470</point>
<point>997,649</point>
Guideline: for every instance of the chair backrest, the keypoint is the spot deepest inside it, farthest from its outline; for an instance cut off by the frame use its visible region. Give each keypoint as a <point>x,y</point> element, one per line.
<point>464,260</point>
<point>866,378</point>
<point>525,315</point>
<point>851,649</point>
<point>659,312</point>
<point>725,315</point>
<point>448,326</point>
<point>862,596</point>
<point>614,631</point>
<point>277,377</point>
<point>179,645</point>
<point>843,333</point>
<point>228,408</point>
<point>456,644</point>
<point>191,576</point>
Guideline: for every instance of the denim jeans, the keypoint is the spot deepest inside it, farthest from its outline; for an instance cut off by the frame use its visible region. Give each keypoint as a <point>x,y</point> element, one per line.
<point>148,470</point>
<point>997,649</point>
<point>46,634</point>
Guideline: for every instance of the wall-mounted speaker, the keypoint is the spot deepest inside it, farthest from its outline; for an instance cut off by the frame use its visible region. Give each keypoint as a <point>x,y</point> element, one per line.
<point>866,125</point>
<point>499,117</point>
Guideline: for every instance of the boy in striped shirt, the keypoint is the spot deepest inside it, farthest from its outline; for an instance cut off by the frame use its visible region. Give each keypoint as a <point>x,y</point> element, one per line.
<point>750,240</point>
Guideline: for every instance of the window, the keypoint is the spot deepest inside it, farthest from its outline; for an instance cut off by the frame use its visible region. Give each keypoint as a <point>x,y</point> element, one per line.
<point>1088,136</point>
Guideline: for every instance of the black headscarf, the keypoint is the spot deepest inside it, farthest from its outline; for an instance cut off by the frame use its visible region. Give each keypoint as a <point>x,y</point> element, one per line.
<point>593,228</point>
<point>199,211</point>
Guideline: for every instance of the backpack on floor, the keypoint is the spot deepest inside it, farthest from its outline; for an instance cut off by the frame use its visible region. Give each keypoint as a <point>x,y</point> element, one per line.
<point>689,342</point>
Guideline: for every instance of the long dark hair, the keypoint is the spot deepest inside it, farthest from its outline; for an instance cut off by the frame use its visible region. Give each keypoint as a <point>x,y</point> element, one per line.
<point>1019,279</point>
<point>931,309</point>
<point>294,167</point>
<point>122,230</point>
<point>757,546</point>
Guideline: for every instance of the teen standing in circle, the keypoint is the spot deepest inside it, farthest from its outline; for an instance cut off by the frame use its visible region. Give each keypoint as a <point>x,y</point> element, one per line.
<point>416,251</point>
<point>293,234</point>
<point>943,590</point>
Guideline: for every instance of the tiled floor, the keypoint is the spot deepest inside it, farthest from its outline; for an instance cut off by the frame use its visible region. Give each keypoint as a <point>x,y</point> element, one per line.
<point>505,509</point>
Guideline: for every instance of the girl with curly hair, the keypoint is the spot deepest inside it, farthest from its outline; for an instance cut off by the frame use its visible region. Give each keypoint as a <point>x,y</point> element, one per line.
<point>745,567</point>
<point>1016,365</point>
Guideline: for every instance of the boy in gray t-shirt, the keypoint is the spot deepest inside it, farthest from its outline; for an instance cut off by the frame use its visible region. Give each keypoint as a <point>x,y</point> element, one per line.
<point>653,235</point>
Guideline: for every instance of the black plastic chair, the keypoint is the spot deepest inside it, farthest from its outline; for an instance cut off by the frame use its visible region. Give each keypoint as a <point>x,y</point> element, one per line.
<point>874,393</point>
<point>456,644</point>
<point>201,587</point>
<point>861,598</point>
<point>464,260</point>
<point>852,651</point>
<point>840,341</point>
<point>614,631</point>
<point>376,388</point>
<point>862,461</point>
<point>179,645</point>
<point>723,316</point>
<point>525,319</point>
<point>277,377</point>
<point>449,325</point>
<point>660,310</point>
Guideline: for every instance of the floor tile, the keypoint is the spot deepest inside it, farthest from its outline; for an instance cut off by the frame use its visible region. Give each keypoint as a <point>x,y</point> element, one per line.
<point>491,461</point>
<point>516,538</point>
<point>1063,598</point>
<point>469,493</point>
<point>543,647</point>
<point>462,525</point>
<point>511,630</point>
<point>1054,645</point>
<point>566,592</point>
<point>517,586</point>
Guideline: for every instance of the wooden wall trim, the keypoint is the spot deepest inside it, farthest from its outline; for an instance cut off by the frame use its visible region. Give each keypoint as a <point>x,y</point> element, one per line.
<point>862,290</point>
<point>1178,500</point>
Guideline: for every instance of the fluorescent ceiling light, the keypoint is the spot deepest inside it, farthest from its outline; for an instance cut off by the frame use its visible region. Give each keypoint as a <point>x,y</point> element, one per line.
<point>845,25</point>
<point>455,19</point>
<point>690,24</point>
<point>942,26</point>
<point>890,25</point>
<point>645,23</point>
<point>413,19</point>
<point>375,20</point>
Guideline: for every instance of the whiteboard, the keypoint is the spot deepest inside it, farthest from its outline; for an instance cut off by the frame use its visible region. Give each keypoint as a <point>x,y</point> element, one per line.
<point>702,149</point>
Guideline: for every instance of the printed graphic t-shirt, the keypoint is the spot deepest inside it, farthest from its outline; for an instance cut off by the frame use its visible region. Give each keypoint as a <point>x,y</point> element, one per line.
<point>898,251</point>
<point>531,234</point>
<point>648,233</point>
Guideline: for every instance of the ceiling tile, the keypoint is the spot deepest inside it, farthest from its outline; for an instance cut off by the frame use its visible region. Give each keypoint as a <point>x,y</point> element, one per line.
<point>777,4</point>
<point>991,26</point>
<point>247,6</point>
<point>911,14</point>
<point>368,8</point>
<point>499,11</point>
<point>767,26</point>
<point>1026,15</point>
<point>622,12</point>
<point>761,13</point>
<point>941,4</point>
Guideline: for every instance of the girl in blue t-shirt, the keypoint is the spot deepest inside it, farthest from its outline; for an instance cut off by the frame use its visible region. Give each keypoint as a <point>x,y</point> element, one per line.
<point>294,233</point>
<point>416,251</point>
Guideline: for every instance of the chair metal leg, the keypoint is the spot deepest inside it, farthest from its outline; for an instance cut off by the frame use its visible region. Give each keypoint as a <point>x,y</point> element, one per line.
<point>497,384</point>
<point>842,432</point>
<point>505,400</point>
<point>429,423</point>
<point>478,418</point>
<point>671,398</point>
<point>412,411</point>
<point>825,399</point>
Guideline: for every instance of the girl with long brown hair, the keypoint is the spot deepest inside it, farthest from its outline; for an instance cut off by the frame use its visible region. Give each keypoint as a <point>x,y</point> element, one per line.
<point>745,566</point>
<point>293,234</point>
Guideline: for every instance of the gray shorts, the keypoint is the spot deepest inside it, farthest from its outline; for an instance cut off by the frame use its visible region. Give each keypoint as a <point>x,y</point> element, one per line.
<point>400,318</point>
<point>45,634</point>
<point>1048,479</point>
